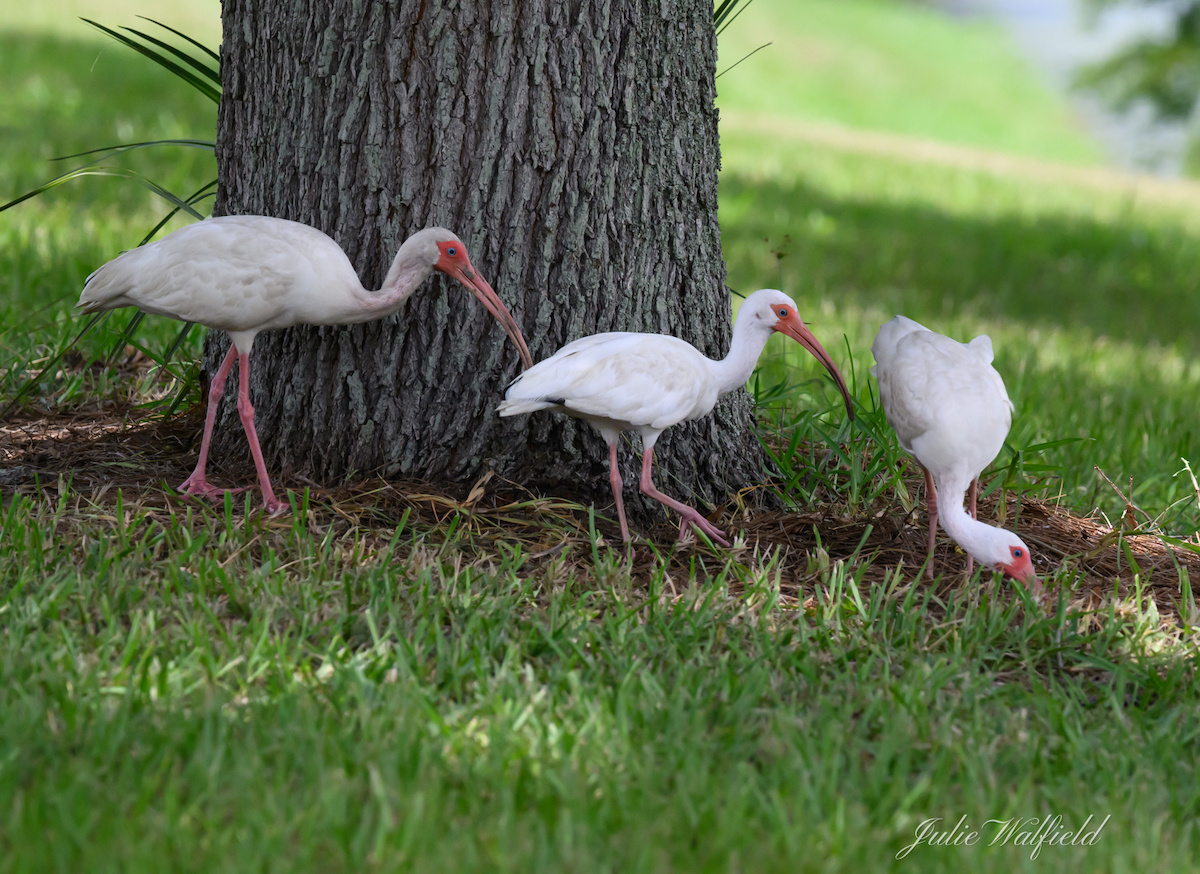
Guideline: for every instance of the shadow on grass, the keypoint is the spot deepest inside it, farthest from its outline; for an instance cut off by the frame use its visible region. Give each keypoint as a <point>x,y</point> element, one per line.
<point>1114,288</point>
<point>1132,281</point>
<point>98,457</point>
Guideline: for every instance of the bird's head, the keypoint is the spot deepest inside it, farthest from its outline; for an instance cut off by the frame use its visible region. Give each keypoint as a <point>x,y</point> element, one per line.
<point>451,257</point>
<point>775,311</point>
<point>445,252</point>
<point>1010,556</point>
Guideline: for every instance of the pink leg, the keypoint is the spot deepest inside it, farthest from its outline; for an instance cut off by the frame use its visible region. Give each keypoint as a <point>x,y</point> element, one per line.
<point>689,515</point>
<point>931,500</point>
<point>197,484</point>
<point>973,495</point>
<point>614,477</point>
<point>246,412</point>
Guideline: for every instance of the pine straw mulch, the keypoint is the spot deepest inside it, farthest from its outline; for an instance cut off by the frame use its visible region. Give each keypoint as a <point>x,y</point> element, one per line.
<point>100,453</point>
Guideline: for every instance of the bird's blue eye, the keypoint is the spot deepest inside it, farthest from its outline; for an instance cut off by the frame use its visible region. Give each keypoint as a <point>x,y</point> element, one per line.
<point>1017,553</point>
<point>783,312</point>
<point>451,251</point>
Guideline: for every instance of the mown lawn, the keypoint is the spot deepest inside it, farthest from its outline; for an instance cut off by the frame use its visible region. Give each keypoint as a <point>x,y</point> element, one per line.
<point>369,683</point>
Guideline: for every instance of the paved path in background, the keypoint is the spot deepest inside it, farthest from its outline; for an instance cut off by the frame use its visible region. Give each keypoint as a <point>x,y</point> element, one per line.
<point>1057,38</point>
<point>877,143</point>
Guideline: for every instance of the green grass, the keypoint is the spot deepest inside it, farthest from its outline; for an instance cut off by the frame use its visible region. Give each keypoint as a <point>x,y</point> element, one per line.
<point>296,695</point>
<point>895,66</point>
<point>1088,296</point>
<point>354,688</point>
<point>1087,288</point>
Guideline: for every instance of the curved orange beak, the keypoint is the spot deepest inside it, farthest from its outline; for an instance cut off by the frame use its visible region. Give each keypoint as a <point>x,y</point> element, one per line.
<point>478,286</point>
<point>794,327</point>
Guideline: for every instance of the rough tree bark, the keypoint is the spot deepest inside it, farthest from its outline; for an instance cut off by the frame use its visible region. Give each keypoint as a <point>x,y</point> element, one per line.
<point>572,145</point>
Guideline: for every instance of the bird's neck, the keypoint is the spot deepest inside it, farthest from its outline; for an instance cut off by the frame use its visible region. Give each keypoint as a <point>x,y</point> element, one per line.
<point>984,542</point>
<point>732,371</point>
<point>403,278</point>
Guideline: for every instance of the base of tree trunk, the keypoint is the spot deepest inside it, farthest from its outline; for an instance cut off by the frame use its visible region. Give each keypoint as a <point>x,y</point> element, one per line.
<point>573,147</point>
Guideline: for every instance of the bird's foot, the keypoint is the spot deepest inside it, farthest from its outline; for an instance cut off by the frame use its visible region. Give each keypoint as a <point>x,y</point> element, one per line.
<point>703,525</point>
<point>199,487</point>
<point>202,488</point>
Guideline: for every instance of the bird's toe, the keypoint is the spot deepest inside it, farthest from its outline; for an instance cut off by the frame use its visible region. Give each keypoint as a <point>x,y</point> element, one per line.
<point>704,526</point>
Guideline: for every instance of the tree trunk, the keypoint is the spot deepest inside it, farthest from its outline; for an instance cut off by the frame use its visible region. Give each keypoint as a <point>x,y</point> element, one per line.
<point>572,145</point>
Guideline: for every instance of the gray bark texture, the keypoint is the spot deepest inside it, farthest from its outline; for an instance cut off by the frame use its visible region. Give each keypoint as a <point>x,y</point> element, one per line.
<point>572,145</point>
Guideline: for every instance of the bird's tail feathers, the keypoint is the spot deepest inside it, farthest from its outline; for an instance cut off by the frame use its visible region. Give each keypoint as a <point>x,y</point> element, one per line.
<point>518,406</point>
<point>983,347</point>
<point>101,288</point>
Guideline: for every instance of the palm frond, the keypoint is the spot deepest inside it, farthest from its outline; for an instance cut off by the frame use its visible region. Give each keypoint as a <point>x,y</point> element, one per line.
<point>168,56</point>
<point>216,58</point>
<point>177,202</point>
<point>726,11</point>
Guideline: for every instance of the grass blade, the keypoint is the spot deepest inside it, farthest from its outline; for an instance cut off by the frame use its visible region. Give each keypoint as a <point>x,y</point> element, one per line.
<point>200,194</point>
<point>207,145</point>
<point>204,69</point>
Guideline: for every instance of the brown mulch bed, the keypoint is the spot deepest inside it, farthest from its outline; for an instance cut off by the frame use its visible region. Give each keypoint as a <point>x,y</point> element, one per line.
<point>100,453</point>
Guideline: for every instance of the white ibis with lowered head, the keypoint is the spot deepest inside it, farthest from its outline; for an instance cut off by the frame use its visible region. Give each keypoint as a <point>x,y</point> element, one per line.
<point>950,409</point>
<point>648,382</point>
<point>250,273</point>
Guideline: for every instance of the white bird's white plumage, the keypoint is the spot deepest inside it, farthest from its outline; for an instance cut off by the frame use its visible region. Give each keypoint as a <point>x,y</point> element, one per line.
<point>648,382</point>
<point>246,273</point>
<point>635,381</point>
<point>251,273</point>
<point>627,381</point>
<point>950,409</point>
<point>946,402</point>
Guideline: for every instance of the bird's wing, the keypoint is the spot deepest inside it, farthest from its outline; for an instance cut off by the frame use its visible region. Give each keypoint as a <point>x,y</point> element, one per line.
<point>944,399</point>
<point>641,380</point>
<point>231,272</point>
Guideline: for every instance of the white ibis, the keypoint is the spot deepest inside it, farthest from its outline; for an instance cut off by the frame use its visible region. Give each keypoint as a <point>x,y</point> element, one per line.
<point>648,382</point>
<point>249,273</point>
<point>950,409</point>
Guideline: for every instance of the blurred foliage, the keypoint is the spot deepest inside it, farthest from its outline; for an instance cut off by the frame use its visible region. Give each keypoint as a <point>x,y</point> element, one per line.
<point>1164,71</point>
